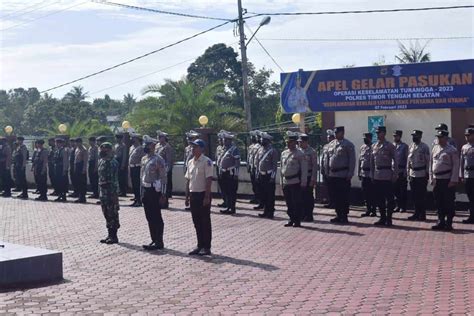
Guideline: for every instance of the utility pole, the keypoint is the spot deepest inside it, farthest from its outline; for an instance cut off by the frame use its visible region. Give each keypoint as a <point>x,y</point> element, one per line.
<point>245,80</point>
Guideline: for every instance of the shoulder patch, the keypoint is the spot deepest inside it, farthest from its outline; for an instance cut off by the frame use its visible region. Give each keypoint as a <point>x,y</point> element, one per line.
<point>209,162</point>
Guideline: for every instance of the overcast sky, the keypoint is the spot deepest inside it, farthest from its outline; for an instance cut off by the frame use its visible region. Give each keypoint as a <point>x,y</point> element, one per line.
<point>45,43</point>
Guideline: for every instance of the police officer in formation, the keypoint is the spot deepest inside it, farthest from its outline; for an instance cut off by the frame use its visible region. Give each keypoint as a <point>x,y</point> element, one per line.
<point>5,166</point>
<point>229,164</point>
<point>400,187</point>
<point>61,167</point>
<point>81,158</point>
<point>109,190</point>
<point>341,166</point>
<point>92,168</point>
<point>265,164</point>
<point>466,171</point>
<point>188,151</point>
<point>121,155</point>
<point>20,158</point>
<point>135,163</point>
<point>418,173</point>
<point>325,166</point>
<point>444,127</point>
<point>72,174</point>
<point>40,170</point>
<point>308,193</point>
<point>219,152</point>
<point>153,183</point>
<point>164,149</point>
<point>251,169</point>
<point>444,176</point>
<point>365,177</point>
<point>293,178</point>
<point>384,171</point>
<point>52,177</point>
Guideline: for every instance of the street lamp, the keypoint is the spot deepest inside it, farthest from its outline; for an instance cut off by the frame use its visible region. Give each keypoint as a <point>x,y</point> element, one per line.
<point>203,120</point>
<point>8,129</point>
<point>265,21</point>
<point>62,128</point>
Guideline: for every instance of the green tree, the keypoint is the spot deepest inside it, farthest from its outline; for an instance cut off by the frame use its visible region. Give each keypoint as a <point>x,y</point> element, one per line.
<point>414,53</point>
<point>76,95</point>
<point>129,102</point>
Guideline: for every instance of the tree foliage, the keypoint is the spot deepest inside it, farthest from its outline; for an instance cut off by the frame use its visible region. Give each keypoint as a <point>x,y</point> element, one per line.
<point>414,53</point>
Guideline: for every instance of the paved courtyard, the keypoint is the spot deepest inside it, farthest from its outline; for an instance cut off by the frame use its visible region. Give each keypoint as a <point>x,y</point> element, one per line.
<point>258,266</point>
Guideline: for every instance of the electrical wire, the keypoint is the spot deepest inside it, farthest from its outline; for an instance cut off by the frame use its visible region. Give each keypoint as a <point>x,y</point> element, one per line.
<point>264,49</point>
<point>156,71</point>
<point>165,12</point>
<point>256,14</point>
<point>43,16</point>
<point>137,58</point>
<point>13,14</point>
<point>364,39</point>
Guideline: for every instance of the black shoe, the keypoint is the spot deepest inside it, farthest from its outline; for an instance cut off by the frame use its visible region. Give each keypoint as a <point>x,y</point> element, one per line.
<point>308,220</point>
<point>187,208</point>
<point>231,211</point>
<point>36,192</point>
<point>222,205</point>
<point>469,220</point>
<point>60,199</point>
<point>41,198</point>
<point>22,196</point>
<point>344,220</point>
<point>123,194</point>
<point>73,195</point>
<point>258,207</point>
<point>205,252</point>
<point>253,201</point>
<point>153,246</point>
<point>373,214</point>
<point>134,204</point>
<point>388,223</point>
<point>54,193</point>
<point>448,228</point>
<point>422,218</point>
<point>365,214</point>
<point>297,225</point>
<point>413,218</point>
<point>396,210</point>
<point>402,210</point>
<point>289,224</point>
<point>105,240</point>
<point>380,222</point>
<point>194,252</point>
<point>17,190</point>
<point>93,196</point>
<point>335,220</point>
<point>226,211</point>
<point>82,201</point>
<point>439,226</point>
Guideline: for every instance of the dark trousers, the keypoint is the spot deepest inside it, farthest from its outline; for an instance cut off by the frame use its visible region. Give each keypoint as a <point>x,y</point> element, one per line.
<point>444,200</point>
<point>329,192</point>
<point>93,178</point>
<point>229,188</point>
<point>123,181</point>
<point>220,185</point>
<point>202,219</point>
<point>52,177</point>
<point>367,190</point>
<point>81,180</point>
<point>151,204</point>
<point>7,181</point>
<point>61,181</point>
<point>266,196</point>
<point>308,201</point>
<point>135,177</point>
<point>41,183</point>
<point>384,200</point>
<point>72,176</point>
<point>292,194</point>
<point>418,190</point>
<point>254,181</point>
<point>20,173</point>
<point>469,184</point>
<point>400,191</point>
<point>169,184</point>
<point>340,195</point>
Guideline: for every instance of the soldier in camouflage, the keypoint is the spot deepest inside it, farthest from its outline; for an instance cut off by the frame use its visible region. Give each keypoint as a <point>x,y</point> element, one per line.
<point>109,191</point>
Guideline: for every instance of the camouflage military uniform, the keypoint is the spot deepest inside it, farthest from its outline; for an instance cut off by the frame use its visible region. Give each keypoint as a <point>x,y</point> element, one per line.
<point>109,189</point>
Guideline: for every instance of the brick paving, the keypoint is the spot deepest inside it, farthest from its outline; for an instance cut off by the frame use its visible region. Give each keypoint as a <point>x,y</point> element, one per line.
<point>258,267</point>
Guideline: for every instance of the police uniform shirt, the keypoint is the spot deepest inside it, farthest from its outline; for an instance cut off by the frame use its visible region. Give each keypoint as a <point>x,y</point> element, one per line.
<point>135,156</point>
<point>268,161</point>
<point>418,160</point>
<point>259,149</point>
<point>120,155</point>
<point>62,156</point>
<point>312,159</point>
<point>402,157</point>
<point>364,161</point>
<point>81,155</point>
<point>198,171</point>
<point>7,155</point>
<point>325,160</point>
<point>383,162</point>
<point>93,153</point>
<point>188,154</point>
<point>466,170</point>
<point>252,154</point>
<point>341,159</point>
<point>444,163</point>
<point>22,152</point>
<point>41,164</point>
<point>230,160</point>
<point>153,172</point>
<point>294,167</point>
<point>451,142</point>
<point>166,152</point>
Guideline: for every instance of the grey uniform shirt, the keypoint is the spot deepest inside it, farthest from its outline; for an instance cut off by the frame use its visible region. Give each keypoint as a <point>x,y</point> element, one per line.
<point>94,156</point>
<point>341,159</point>
<point>153,172</point>
<point>121,155</point>
<point>312,159</point>
<point>135,156</point>
<point>188,154</point>
<point>418,160</point>
<point>402,157</point>
<point>294,167</point>
<point>364,161</point>
<point>466,169</point>
<point>325,160</point>
<point>451,142</point>
<point>81,155</point>
<point>166,152</point>
<point>230,160</point>
<point>383,162</point>
<point>6,156</point>
<point>444,163</point>
<point>268,161</point>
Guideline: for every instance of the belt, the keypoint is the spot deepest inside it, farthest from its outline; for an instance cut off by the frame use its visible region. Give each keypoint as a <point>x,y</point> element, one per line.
<point>264,172</point>
<point>293,176</point>
<point>418,168</point>
<point>383,167</point>
<point>148,185</point>
<point>228,169</point>
<point>339,169</point>
<point>442,172</point>
<point>134,165</point>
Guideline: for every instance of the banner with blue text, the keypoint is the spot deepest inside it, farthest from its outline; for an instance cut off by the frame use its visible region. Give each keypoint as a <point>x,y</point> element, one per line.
<point>431,85</point>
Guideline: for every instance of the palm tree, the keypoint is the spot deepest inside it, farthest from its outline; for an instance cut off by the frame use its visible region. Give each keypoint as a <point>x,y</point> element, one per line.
<point>76,95</point>
<point>415,53</point>
<point>129,101</point>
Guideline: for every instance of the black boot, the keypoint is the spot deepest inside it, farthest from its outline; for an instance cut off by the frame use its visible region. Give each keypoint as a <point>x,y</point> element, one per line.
<point>113,239</point>
<point>107,239</point>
